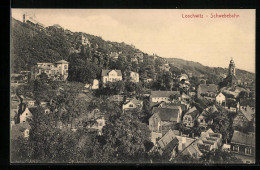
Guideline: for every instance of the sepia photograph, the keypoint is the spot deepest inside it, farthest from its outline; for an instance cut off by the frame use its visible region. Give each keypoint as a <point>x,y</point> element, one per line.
<point>135,86</point>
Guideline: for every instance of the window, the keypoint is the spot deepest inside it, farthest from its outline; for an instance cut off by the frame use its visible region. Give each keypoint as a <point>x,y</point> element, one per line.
<point>236,148</point>
<point>65,66</point>
<point>131,105</point>
<point>248,151</point>
<point>100,124</point>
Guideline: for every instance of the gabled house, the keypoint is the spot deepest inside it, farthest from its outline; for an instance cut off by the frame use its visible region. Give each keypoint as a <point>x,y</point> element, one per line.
<point>203,120</point>
<point>20,130</point>
<point>134,77</point>
<point>243,117</point>
<point>163,96</point>
<point>25,115</point>
<point>96,121</point>
<point>220,98</point>
<point>231,105</point>
<point>167,145</point>
<point>133,104</point>
<point>164,119</point>
<point>190,117</point>
<point>111,76</point>
<point>207,91</point>
<point>243,146</point>
<point>183,77</point>
<point>244,103</point>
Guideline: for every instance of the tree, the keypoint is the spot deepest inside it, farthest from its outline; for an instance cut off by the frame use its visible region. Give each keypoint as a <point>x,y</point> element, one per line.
<point>219,157</point>
<point>124,139</point>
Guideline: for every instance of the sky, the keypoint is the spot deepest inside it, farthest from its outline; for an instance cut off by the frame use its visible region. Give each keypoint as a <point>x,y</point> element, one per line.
<point>165,32</point>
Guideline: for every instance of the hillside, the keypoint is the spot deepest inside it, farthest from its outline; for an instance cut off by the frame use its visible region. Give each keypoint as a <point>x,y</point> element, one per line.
<point>198,69</point>
<point>30,45</point>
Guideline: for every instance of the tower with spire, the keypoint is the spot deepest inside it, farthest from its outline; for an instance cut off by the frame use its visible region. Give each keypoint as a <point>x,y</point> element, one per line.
<point>232,68</point>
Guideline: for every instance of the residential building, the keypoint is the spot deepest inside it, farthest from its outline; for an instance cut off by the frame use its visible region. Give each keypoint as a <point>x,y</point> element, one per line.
<point>168,145</point>
<point>220,98</point>
<point>244,103</point>
<point>20,130</point>
<point>84,40</point>
<point>183,77</point>
<point>133,104</point>
<point>54,71</point>
<point>207,91</point>
<point>140,56</point>
<point>163,96</point>
<point>134,76</point>
<point>231,105</point>
<point>243,117</point>
<point>25,115</point>
<point>190,117</point>
<point>243,146</point>
<point>164,119</point>
<point>114,55</point>
<point>203,118</point>
<point>110,76</point>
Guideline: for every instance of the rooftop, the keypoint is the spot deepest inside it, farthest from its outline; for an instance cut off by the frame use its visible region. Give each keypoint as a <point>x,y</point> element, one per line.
<point>164,93</point>
<point>243,138</point>
<point>205,88</point>
<point>105,72</point>
<point>167,114</point>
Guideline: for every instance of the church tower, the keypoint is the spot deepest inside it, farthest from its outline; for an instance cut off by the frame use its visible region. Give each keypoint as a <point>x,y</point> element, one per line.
<point>232,68</point>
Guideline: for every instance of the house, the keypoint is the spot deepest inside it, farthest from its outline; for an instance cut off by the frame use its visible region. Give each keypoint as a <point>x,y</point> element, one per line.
<point>220,98</point>
<point>25,115</point>
<point>133,104</point>
<point>116,98</point>
<point>134,77</point>
<point>209,141</point>
<point>95,84</point>
<point>247,102</point>
<point>29,102</point>
<point>110,76</point>
<point>243,146</point>
<point>165,67</point>
<point>164,119</point>
<point>134,59</point>
<point>96,121</point>
<point>231,105</point>
<point>207,91</point>
<point>54,71</point>
<point>85,41</point>
<point>190,117</point>
<point>114,55</point>
<point>140,56</point>
<point>20,130</point>
<point>183,77</point>
<point>167,145</point>
<point>163,96</point>
<point>203,120</point>
<point>184,106</point>
<point>243,117</point>
<point>192,150</point>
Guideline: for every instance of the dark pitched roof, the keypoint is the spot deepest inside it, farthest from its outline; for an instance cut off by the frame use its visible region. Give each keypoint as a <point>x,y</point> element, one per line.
<point>105,72</point>
<point>243,138</point>
<point>245,102</point>
<point>164,93</point>
<point>167,114</point>
<point>62,62</point>
<point>231,103</point>
<point>193,112</point>
<point>248,113</point>
<point>208,88</point>
<point>168,142</point>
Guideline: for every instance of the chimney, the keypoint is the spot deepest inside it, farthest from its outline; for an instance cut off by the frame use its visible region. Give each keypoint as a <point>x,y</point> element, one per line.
<point>192,135</point>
